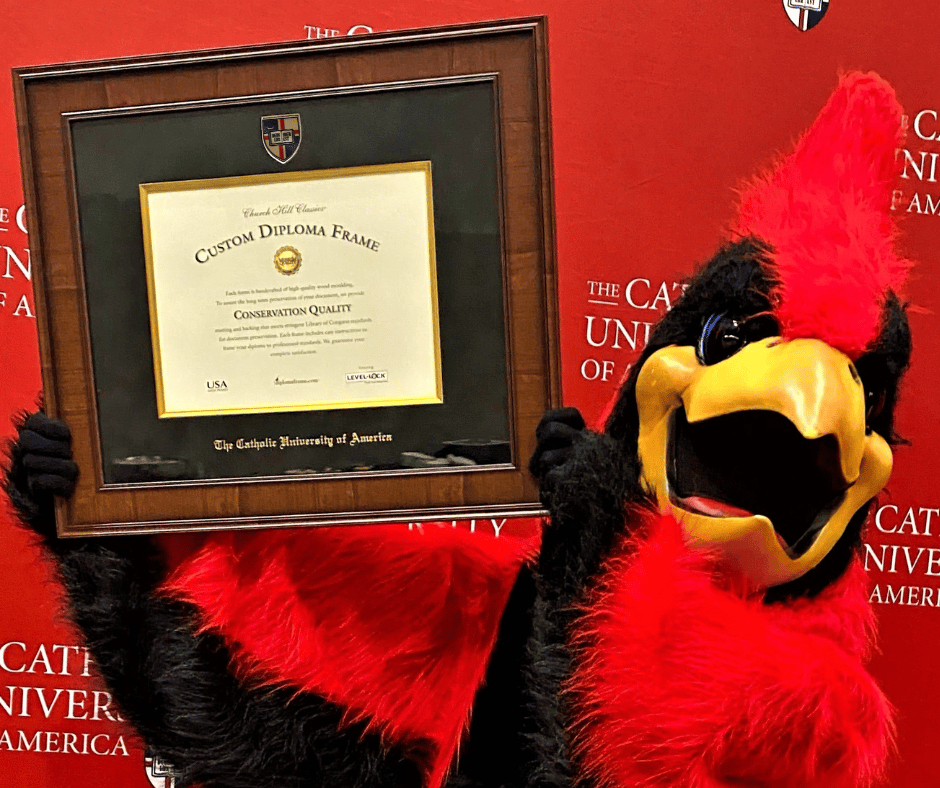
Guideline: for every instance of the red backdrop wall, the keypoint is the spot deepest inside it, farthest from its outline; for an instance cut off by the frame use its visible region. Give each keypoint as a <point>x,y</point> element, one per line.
<point>659,110</point>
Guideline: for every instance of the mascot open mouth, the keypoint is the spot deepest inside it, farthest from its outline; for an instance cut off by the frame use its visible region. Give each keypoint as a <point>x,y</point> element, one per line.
<point>756,463</point>
<point>763,456</point>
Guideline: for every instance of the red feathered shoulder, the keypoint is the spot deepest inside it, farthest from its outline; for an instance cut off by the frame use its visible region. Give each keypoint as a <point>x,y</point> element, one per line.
<point>683,683</point>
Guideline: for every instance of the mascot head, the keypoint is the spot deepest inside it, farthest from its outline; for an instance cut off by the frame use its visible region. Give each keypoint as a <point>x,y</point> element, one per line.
<point>762,407</point>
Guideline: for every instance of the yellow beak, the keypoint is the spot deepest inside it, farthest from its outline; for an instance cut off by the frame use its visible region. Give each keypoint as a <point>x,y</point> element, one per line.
<point>811,384</point>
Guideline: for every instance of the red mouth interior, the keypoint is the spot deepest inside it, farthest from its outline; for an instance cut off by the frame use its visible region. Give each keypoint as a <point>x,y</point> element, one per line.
<point>702,505</point>
<point>698,504</point>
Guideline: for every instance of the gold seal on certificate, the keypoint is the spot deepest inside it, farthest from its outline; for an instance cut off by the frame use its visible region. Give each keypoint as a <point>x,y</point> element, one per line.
<point>359,329</point>
<point>287,260</point>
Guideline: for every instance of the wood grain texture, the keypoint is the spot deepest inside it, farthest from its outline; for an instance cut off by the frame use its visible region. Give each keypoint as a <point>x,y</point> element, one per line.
<point>514,51</point>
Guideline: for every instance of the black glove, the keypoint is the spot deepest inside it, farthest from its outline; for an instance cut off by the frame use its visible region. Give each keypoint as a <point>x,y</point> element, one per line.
<point>556,435</point>
<point>44,448</point>
<point>41,467</point>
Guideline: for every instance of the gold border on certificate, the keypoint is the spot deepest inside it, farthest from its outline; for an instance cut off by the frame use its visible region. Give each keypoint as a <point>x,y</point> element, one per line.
<point>146,189</point>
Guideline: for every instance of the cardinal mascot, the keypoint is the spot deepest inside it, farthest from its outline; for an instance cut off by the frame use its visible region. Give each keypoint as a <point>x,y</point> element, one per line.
<point>695,616</point>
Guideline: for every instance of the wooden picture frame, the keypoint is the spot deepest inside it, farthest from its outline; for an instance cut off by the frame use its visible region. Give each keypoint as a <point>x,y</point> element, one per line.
<point>473,100</point>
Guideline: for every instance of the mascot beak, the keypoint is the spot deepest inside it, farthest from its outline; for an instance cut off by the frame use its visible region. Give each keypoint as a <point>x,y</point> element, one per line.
<point>764,457</point>
<point>759,444</point>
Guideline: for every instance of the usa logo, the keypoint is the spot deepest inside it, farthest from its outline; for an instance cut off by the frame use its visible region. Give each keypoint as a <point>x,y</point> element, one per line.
<point>805,14</point>
<point>281,136</point>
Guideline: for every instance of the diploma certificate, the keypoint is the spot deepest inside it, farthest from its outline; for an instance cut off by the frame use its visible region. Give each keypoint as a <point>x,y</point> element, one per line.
<point>293,291</point>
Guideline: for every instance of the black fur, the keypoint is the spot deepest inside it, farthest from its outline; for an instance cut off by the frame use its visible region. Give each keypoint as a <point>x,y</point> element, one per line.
<point>491,755</point>
<point>882,368</point>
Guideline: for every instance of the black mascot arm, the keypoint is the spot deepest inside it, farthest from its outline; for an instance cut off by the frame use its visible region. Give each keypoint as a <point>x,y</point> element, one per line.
<point>173,684</point>
<point>585,478</point>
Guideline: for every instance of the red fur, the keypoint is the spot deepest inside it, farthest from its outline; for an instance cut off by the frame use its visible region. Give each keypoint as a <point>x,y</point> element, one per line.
<point>395,625</point>
<point>826,212</point>
<point>682,682</point>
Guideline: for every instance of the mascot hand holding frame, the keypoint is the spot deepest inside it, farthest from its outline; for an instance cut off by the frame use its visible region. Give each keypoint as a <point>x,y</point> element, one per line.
<point>697,617</point>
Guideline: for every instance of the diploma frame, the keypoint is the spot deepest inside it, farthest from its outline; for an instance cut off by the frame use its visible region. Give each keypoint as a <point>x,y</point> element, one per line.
<point>509,55</point>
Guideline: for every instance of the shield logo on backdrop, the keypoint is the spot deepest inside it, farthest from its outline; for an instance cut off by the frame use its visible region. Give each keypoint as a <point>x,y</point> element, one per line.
<point>805,14</point>
<point>281,136</point>
<point>160,773</point>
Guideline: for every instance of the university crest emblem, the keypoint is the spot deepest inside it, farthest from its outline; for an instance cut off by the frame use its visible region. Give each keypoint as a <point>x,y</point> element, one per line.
<point>281,136</point>
<point>805,14</point>
<point>160,773</point>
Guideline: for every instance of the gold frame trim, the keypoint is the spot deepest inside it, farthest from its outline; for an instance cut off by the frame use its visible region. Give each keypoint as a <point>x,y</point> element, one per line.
<point>145,189</point>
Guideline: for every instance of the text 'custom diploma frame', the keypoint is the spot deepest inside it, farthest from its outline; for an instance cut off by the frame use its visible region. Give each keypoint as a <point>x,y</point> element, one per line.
<point>296,284</point>
<point>293,291</point>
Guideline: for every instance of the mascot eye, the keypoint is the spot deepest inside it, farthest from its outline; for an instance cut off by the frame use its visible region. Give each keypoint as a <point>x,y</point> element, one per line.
<point>874,403</point>
<point>723,336</point>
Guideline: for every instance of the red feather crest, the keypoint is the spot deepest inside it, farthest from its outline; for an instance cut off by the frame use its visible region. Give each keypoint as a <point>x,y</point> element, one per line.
<point>826,211</point>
